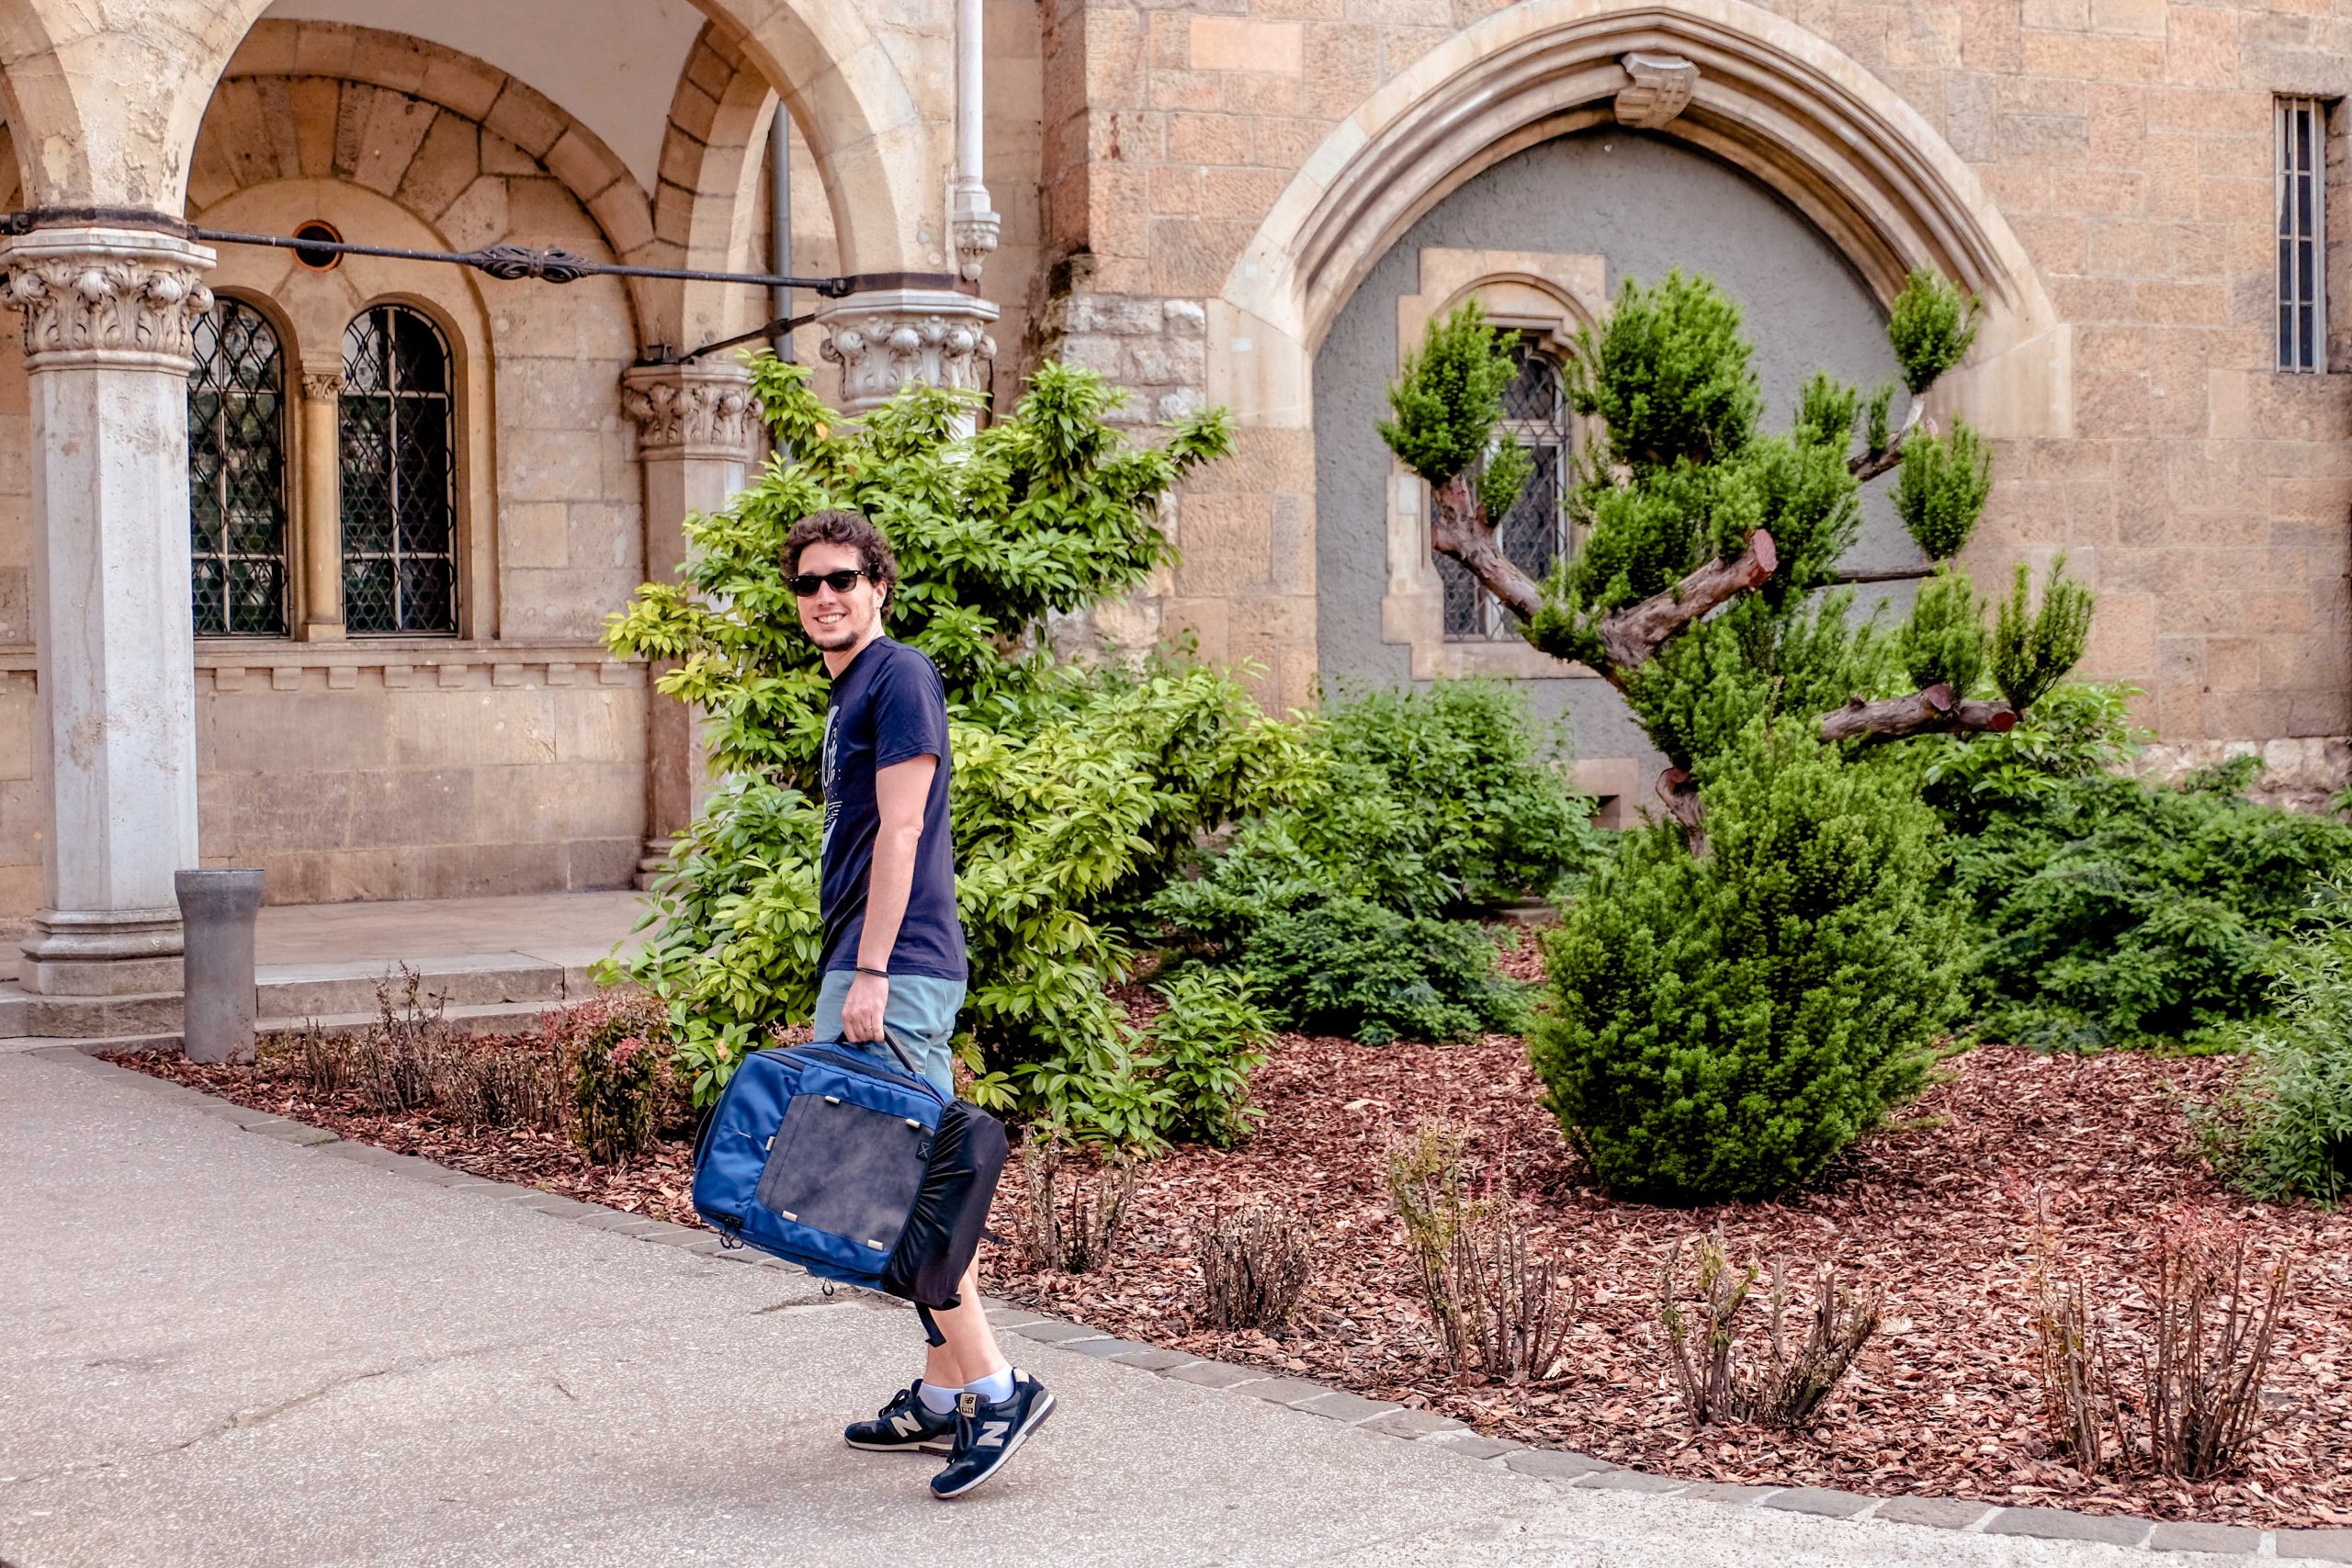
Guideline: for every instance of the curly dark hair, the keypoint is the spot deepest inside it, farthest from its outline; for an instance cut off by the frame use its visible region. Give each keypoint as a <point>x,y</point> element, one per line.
<point>854,529</point>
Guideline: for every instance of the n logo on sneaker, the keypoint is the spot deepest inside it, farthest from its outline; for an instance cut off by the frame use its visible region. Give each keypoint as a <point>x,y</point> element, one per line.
<point>906,1424</point>
<point>993,1433</point>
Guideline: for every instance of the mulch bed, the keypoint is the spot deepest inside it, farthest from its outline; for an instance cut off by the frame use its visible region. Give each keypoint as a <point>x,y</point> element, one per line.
<point>1935,1211</point>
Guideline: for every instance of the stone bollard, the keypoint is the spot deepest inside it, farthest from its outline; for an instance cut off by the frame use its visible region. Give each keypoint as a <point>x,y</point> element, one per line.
<point>217,909</point>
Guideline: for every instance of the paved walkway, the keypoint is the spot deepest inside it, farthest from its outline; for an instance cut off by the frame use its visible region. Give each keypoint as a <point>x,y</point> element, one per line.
<point>220,1348</point>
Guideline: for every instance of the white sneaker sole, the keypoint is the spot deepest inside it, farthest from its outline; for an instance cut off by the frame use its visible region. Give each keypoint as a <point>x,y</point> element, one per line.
<point>940,1448</point>
<point>1045,1409</point>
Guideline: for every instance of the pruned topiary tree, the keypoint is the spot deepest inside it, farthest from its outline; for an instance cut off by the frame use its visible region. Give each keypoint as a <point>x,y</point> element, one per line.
<point>1707,588</point>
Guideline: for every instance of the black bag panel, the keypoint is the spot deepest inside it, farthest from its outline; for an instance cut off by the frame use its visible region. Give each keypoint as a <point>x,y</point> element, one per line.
<point>943,1226</point>
<point>846,1169</point>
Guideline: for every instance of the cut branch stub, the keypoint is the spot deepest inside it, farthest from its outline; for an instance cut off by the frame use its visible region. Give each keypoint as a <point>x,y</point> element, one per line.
<point>1920,713</point>
<point>1635,634</point>
<point>1679,792</point>
<point>1459,528</point>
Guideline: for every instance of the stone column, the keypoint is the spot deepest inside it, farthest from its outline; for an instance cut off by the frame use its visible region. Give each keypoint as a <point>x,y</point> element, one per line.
<point>108,315</point>
<point>322,505</point>
<point>695,425</point>
<point>894,337</point>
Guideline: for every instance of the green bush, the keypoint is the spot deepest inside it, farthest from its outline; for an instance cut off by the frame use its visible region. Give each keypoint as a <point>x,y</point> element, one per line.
<point>1341,966</point>
<point>1204,1048</point>
<point>1720,1027</point>
<point>1074,792</point>
<point>1421,804</point>
<point>2286,1130</point>
<point>2114,912</point>
<point>617,1049</point>
<point>1443,801</point>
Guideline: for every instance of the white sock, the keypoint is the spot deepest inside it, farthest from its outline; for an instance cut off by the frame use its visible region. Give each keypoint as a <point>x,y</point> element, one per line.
<point>938,1401</point>
<point>993,1388</point>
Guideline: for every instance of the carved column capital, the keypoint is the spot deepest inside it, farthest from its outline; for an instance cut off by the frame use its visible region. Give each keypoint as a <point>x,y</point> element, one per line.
<point>321,386</point>
<point>1660,89</point>
<point>894,338</point>
<point>695,409</point>
<point>107,297</point>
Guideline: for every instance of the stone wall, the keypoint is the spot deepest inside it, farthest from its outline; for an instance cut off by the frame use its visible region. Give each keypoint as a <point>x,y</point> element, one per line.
<point>2127,146</point>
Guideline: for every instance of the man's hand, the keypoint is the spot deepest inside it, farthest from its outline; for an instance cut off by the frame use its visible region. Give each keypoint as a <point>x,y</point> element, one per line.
<point>861,1009</point>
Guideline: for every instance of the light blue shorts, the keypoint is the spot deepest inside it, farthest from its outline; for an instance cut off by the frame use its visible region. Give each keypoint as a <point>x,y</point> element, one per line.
<point>919,1014</point>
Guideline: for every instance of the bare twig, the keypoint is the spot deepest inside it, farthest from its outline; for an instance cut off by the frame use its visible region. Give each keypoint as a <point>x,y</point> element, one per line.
<point>1868,466</point>
<point>1253,1265</point>
<point>1793,1383</point>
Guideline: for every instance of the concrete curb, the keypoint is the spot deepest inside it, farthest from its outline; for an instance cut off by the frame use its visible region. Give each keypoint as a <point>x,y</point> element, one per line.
<point>1561,1468</point>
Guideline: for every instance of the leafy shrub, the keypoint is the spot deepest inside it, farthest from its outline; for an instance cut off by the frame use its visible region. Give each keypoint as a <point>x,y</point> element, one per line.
<point>1720,1027</point>
<point>1073,794</point>
<point>2286,1131</point>
<point>2115,912</point>
<point>1342,965</point>
<point>617,1049</point>
<point>1204,1048</point>
<point>1423,803</point>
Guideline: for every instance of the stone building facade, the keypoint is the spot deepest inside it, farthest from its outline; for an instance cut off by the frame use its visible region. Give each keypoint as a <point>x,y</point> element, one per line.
<point>304,556</point>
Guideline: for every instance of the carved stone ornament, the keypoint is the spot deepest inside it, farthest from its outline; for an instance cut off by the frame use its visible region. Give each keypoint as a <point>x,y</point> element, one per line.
<point>1660,89</point>
<point>321,386</point>
<point>891,339</point>
<point>974,226</point>
<point>705,407</point>
<point>107,297</point>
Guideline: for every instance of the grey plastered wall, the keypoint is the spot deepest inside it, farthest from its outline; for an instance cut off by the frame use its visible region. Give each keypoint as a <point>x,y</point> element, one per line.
<point>1646,204</point>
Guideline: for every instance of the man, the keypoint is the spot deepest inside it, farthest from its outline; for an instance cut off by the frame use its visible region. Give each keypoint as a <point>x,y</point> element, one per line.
<point>893,953</point>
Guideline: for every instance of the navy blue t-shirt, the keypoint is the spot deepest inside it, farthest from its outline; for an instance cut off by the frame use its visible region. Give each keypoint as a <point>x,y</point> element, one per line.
<point>888,706</point>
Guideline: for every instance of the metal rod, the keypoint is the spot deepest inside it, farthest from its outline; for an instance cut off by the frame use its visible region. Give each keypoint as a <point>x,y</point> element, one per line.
<point>515,261</point>
<point>779,331</point>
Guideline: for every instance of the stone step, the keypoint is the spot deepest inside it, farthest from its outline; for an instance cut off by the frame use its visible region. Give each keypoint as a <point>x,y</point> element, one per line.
<point>300,990</point>
<point>487,1017</point>
<point>15,1012</point>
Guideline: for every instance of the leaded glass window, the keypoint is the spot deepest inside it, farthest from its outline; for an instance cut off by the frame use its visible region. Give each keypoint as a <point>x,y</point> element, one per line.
<point>400,510</point>
<point>1535,414</point>
<point>236,474</point>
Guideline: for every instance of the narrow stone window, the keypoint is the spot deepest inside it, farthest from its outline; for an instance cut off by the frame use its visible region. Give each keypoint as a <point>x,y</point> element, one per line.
<point>2301,136</point>
<point>1535,414</point>
<point>400,510</point>
<point>236,474</point>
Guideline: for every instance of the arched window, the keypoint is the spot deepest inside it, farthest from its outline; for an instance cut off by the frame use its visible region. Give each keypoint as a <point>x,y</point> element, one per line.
<point>236,474</point>
<point>1535,414</point>
<point>400,510</point>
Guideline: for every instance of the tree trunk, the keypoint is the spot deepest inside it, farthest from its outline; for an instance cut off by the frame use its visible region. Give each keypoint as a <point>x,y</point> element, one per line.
<point>1933,710</point>
<point>1679,791</point>
<point>1460,529</point>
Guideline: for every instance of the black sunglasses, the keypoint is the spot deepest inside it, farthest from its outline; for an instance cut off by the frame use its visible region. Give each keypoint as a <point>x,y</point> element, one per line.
<point>804,583</point>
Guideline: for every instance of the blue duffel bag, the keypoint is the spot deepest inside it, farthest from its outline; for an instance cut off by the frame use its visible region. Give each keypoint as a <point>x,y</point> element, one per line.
<point>824,1156</point>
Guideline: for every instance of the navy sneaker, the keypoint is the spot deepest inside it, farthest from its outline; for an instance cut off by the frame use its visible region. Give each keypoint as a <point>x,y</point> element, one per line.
<point>905,1425</point>
<point>989,1434</point>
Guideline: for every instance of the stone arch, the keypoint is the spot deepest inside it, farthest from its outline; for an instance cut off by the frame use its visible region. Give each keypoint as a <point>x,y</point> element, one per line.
<point>406,119</point>
<point>1770,97</point>
<point>82,90</point>
<point>711,190</point>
